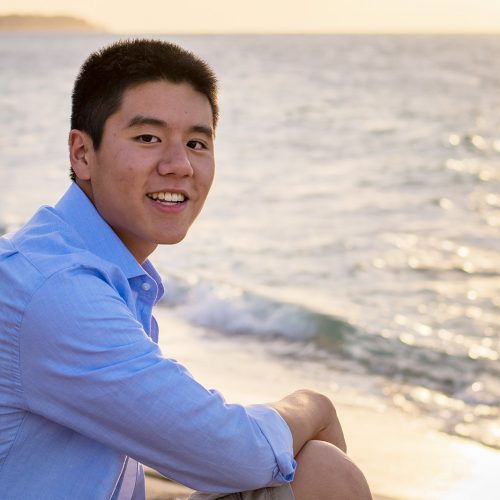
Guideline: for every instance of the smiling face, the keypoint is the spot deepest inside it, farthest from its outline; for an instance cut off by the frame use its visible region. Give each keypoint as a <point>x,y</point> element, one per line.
<point>154,167</point>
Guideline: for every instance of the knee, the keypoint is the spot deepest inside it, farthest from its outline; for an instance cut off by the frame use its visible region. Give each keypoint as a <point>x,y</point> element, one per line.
<point>326,473</point>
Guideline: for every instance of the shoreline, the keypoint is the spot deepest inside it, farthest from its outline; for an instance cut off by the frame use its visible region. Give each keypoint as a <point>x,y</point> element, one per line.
<point>401,456</point>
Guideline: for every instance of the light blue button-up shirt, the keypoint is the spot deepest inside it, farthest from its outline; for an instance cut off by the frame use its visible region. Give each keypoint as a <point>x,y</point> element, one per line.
<point>85,393</point>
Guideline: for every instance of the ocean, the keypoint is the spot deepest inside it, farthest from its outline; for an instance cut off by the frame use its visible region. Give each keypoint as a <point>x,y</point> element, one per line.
<point>354,225</point>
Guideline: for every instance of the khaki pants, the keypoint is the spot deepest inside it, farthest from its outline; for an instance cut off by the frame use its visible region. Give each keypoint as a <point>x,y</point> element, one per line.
<point>279,493</point>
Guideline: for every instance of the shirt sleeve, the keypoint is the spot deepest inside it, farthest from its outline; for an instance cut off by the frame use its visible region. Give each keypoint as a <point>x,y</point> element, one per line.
<point>87,364</point>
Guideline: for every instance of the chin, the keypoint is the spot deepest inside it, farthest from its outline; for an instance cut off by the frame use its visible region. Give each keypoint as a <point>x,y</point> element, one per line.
<point>171,239</point>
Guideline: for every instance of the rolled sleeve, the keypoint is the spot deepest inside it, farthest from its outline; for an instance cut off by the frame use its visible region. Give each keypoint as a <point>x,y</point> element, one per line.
<point>279,437</point>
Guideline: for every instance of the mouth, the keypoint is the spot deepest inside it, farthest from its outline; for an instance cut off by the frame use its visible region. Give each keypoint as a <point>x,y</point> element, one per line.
<point>167,198</point>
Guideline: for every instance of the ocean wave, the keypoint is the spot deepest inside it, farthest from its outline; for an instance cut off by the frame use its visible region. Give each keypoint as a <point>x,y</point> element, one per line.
<point>231,310</point>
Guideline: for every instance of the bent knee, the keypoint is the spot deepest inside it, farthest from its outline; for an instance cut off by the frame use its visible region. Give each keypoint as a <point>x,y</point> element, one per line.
<point>325,472</point>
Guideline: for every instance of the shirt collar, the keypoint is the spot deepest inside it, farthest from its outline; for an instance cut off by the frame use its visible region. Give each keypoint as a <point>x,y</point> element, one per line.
<point>78,211</point>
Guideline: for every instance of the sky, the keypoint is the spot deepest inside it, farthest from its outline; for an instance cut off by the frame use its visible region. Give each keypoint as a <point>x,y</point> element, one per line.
<point>276,16</point>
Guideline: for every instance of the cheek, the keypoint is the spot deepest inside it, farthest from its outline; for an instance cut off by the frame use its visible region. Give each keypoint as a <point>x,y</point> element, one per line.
<point>208,176</point>
<point>126,176</point>
<point>117,185</point>
<point>205,188</point>
<point>209,180</point>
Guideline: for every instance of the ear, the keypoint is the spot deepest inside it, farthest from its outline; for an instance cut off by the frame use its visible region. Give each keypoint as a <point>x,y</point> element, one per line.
<point>81,150</point>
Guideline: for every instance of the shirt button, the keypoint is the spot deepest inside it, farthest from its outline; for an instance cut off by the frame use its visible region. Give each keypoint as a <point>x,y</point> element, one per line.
<point>146,286</point>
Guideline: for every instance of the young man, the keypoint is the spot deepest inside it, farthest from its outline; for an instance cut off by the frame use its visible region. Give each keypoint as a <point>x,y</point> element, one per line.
<point>85,394</point>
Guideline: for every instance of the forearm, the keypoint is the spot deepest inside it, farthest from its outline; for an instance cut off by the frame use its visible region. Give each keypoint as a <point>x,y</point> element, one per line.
<point>310,415</point>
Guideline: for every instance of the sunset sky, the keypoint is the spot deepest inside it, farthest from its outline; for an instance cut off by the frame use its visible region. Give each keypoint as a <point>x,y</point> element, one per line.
<point>277,16</point>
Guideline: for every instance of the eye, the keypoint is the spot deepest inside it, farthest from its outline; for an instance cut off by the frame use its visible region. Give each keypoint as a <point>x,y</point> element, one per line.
<point>148,139</point>
<point>197,145</point>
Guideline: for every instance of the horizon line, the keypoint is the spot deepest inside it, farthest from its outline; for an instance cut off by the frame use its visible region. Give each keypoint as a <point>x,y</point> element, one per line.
<point>98,28</point>
<point>253,33</point>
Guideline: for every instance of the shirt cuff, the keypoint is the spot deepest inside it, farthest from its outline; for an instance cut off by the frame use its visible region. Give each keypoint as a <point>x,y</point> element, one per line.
<point>279,437</point>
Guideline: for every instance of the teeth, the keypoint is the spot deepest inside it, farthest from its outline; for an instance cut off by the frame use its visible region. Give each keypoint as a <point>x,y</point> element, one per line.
<point>168,197</point>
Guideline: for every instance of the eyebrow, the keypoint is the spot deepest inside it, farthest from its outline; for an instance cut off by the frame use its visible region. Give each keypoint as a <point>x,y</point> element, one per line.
<point>139,120</point>
<point>145,120</point>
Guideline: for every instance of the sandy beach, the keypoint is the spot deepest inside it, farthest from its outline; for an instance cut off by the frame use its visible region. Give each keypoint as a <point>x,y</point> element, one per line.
<point>402,456</point>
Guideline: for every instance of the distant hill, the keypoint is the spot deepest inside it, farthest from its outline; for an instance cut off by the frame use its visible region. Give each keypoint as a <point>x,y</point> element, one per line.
<point>35,22</point>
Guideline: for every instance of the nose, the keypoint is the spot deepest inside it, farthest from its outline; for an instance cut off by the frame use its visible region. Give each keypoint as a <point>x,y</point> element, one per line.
<point>175,161</point>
